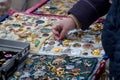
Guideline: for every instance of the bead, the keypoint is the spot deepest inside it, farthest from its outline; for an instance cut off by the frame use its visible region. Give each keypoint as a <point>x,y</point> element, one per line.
<point>58,61</point>
<point>97,39</point>
<point>37,43</point>
<point>96,52</point>
<point>52,8</point>
<point>40,21</point>
<point>87,46</point>
<point>66,41</point>
<point>74,78</point>
<point>60,43</point>
<point>2,60</point>
<point>51,42</point>
<point>8,55</point>
<point>69,66</point>
<point>76,45</point>
<point>28,78</point>
<point>48,48</point>
<point>29,24</point>
<point>97,26</point>
<point>45,34</point>
<point>85,53</point>
<point>57,49</point>
<point>16,25</point>
<point>45,30</point>
<point>17,73</point>
<point>67,50</point>
<point>28,61</point>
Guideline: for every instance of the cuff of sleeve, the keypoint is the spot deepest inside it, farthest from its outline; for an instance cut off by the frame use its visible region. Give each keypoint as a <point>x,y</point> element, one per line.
<point>84,13</point>
<point>77,23</point>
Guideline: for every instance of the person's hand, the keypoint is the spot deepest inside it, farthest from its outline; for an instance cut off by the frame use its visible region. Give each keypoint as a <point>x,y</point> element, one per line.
<point>4,7</point>
<point>61,28</point>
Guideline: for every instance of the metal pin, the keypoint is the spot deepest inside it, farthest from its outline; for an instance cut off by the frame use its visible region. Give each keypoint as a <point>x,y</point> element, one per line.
<point>60,42</point>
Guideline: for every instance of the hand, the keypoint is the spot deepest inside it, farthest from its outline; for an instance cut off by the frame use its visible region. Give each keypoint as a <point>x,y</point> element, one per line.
<point>61,28</point>
<point>4,7</point>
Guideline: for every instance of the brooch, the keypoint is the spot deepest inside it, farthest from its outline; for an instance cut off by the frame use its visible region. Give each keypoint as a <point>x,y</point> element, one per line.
<point>96,52</point>
<point>57,50</point>
<point>88,46</point>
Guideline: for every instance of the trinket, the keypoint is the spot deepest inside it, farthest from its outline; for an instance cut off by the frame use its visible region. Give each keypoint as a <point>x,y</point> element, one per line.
<point>79,62</point>
<point>23,35</point>
<point>29,24</point>
<point>67,50</point>
<point>55,78</point>
<point>40,21</point>
<point>66,44</point>
<point>45,34</point>
<point>39,72</point>
<point>88,46</point>
<point>52,8</point>
<point>96,52</point>
<point>57,50</point>
<point>85,53</point>
<point>75,70</point>
<point>52,42</point>
<point>42,58</point>
<point>58,61</point>
<point>16,25</point>
<point>87,72</point>
<point>60,42</point>
<point>66,41</point>
<point>74,78</point>
<point>36,77</point>
<point>57,67</point>
<point>97,27</point>
<point>45,30</point>
<point>76,45</point>
<point>97,39</point>
<point>28,78</point>
<point>28,61</point>
<point>2,60</point>
<point>26,75</point>
<point>8,55</point>
<point>17,73</point>
<point>37,43</point>
<point>48,48</point>
<point>69,66</point>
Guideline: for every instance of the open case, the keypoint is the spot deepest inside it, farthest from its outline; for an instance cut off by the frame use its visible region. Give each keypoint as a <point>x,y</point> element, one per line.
<point>12,54</point>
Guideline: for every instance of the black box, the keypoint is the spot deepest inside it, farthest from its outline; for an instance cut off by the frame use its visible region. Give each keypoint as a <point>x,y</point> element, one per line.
<point>18,50</point>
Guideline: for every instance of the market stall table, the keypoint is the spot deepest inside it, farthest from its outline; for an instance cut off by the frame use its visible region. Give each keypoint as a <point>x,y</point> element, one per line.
<point>52,7</point>
<point>84,47</point>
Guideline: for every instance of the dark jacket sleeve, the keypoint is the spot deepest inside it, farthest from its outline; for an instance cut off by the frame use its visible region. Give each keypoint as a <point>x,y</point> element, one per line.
<point>87,11</point>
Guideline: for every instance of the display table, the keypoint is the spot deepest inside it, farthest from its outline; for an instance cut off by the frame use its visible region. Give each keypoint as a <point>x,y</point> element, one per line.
<point>52,7</point>
<point>78,56</point>
<point>32,9</point>
<point>65,67</point>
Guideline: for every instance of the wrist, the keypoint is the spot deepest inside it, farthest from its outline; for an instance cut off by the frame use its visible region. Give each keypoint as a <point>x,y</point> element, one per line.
<point>77,24</point>
<point>71,23</point>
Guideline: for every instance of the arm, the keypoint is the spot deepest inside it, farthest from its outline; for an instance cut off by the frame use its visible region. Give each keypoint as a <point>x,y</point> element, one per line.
<point>87,11</point>
<point>81,15</point>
